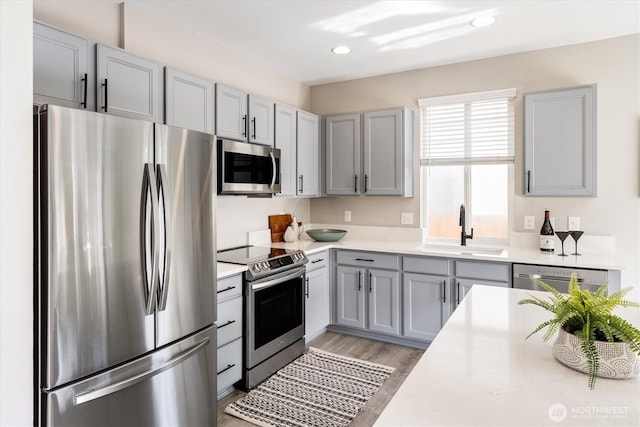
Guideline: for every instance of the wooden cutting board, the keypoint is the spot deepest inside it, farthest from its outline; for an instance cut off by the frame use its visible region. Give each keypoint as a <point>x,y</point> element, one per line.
<point>278,225</point>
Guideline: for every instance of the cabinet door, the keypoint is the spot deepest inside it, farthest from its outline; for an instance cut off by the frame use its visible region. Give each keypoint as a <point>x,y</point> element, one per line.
<point>63,70</point>
<point>342,138</point>
<point>426,306</point>
<point>308,154</point>
<point>128,86</point>
<point>231,113</point>
<point>261,120</point>
<point>285,141</point>
<point>189,101</point>
<point>384,301</point>
<point>560,142</point>
<point>317,303</point>
<point>463,286</point>
<point>383,153</point>
<point>350,298</point>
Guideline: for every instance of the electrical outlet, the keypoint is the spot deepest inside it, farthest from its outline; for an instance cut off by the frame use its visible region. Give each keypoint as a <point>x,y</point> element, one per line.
<point>529,222</point>
<point>406,218</point>
<point>573,223</point>
<point>347,216</point>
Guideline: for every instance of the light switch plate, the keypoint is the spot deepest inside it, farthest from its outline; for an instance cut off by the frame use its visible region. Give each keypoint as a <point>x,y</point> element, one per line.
<point>529,222</point>
<point>573,223</point>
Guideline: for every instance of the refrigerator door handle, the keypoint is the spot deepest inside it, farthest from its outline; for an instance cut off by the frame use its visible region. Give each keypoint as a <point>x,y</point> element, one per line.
<point>149,235</point>
<point>163,191</point>
<point>92,394</point>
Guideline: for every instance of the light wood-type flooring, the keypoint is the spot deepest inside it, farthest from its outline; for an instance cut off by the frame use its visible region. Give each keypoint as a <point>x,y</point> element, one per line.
<point>403,359</point>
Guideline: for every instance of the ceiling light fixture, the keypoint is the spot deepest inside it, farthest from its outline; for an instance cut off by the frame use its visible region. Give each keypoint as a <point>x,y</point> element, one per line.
<point>341,50</point>
<point>483,21</point>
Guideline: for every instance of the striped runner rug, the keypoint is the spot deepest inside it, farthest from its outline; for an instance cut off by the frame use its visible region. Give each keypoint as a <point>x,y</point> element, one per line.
<point>316,389</point>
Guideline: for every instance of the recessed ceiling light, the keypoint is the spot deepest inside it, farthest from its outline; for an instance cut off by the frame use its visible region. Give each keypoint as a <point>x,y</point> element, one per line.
<point>483,21</point>
<point>341,50</point>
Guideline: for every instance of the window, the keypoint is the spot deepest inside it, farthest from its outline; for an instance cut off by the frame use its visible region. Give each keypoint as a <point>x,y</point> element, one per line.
<point>466,157</point>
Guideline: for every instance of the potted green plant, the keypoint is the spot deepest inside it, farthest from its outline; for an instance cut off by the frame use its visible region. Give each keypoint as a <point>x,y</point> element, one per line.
<point>591,338</point>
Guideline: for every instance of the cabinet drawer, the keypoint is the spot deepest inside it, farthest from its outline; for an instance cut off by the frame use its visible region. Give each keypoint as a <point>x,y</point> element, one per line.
<point>427,265</point>
<point>317,261</point>
<point>368,259</point>
<point>494,271</point>
<point>229,287</point>
<point>229,365</point>
<point>229,320</point>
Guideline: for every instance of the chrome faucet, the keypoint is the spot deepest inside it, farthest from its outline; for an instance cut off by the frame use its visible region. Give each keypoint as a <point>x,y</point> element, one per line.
<point>463,234</point>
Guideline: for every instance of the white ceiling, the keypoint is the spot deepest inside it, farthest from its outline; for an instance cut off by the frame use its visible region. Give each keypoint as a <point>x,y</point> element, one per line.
<point>295,36</point>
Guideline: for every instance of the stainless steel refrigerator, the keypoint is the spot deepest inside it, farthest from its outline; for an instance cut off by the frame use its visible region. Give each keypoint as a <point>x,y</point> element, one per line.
<point>126,272</point>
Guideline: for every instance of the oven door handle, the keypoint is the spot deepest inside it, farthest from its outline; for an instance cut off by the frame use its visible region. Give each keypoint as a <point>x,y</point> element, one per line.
<point>275,279</point>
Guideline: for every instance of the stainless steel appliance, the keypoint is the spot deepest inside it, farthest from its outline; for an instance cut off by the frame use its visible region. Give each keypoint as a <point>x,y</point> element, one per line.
<point>274,308</point>
<point>125,307</point>
<point>249,169</point>
<point>526,276</point>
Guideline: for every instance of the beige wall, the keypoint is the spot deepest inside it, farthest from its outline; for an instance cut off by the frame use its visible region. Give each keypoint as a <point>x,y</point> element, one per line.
<point>613,64</point>
<point>131,28</point>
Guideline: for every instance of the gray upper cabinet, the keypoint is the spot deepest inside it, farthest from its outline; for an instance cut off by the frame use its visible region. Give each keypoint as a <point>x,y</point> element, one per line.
<point>370,154</point>
<point>343,158</point>
<point>244,117</point>
<point>189,101</point>
<point>285,141</point>
<point>388,153</point>
<point>128,85</point>
<point>308,132</point>
<point>63,68</point>
<point>560,142</point>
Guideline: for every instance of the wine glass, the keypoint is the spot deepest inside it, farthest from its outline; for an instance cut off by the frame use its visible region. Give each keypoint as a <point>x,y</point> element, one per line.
<point>562,235</point>
<point>576,235</point>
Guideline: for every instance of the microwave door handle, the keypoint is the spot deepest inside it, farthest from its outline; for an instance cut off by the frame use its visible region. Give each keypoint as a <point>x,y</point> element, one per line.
<point>163,190</point>
<point>273,176</point>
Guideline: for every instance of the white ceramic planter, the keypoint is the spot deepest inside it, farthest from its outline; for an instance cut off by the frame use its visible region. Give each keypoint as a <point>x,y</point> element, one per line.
<point>616,358</point>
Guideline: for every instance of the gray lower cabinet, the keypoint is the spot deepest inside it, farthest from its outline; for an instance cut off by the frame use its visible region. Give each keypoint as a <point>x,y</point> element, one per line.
<point>317,295</point>
<point>128,85</point>
<point>370,153</point>
<point>189,101</point>
<point>368,297</point>
<point>560,142</point>
<point>63,68</point>
<point>469,273</point>
<point>229,333</point>
<point>426,296</point>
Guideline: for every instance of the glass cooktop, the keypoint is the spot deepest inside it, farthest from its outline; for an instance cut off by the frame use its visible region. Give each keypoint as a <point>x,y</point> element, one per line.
<point>246,255</point>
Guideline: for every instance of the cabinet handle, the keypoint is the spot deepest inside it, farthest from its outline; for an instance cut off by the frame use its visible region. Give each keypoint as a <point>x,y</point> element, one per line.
<point>366,182</point>
<point>370,280</point>
<point>227,368</point>
<point>528,181</point>
<point>106,94</point>
<point>359,280</point>
<point>365,259</point>
<point>444,291</point>
<point>301,179</point>
<point>355,183</point>
<point>226,289</point>
<point>230,322</point>
<point>84,95</point>
<point>253,121</point>
<point>244,125</point>
<point>458,293</point>
<point>306,281</point>
<point>317,260</point>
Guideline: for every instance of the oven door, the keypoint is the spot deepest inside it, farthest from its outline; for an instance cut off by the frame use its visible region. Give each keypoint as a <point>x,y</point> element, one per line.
<point>274,314</point>
<point>245,168</point>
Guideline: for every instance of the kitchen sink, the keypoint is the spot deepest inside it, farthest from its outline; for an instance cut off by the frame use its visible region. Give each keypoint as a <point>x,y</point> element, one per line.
<point>461,250</point>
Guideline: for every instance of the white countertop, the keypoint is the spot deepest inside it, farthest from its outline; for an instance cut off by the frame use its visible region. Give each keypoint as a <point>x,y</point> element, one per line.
<point>480,371</point>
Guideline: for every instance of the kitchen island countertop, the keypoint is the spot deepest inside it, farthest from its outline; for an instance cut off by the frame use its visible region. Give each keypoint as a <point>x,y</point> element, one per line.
<point>480,370</point>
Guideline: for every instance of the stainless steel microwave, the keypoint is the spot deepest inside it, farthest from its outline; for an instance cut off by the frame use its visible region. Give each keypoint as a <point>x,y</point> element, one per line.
<point>249,169</point>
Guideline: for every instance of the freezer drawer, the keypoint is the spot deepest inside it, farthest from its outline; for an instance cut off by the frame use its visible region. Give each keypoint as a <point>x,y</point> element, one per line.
<point>172,386</point>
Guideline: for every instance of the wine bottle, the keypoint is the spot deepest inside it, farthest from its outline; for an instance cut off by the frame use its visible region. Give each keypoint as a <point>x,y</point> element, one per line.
<point>546,234</point>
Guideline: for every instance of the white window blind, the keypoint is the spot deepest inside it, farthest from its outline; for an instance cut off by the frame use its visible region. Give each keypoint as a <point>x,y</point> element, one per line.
<point>473,128</point>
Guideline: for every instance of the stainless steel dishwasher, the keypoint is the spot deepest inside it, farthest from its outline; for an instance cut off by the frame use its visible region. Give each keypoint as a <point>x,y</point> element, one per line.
<point>526,276</point>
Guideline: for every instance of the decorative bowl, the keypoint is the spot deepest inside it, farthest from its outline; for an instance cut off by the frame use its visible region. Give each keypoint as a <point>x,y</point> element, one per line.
<point>326,234</point>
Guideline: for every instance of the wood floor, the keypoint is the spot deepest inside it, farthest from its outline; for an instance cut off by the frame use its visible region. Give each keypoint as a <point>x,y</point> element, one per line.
<point>403,359</point>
